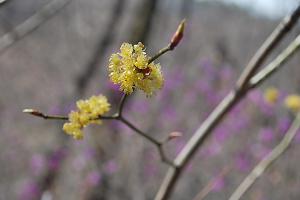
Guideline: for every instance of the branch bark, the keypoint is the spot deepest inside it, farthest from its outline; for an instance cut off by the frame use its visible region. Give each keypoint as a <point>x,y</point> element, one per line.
<point>234,96</point>
<point>267,161</point>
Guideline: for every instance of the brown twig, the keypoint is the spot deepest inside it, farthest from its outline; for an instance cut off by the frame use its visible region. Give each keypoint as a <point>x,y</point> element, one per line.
<point>160,53</point>
<point>225,106</point>
<point>267,161</point>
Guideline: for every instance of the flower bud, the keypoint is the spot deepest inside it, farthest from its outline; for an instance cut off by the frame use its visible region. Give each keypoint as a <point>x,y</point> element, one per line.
<point>177,35</point>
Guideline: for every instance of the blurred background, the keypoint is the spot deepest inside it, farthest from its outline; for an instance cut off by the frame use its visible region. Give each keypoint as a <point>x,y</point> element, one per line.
<point>54,52</point>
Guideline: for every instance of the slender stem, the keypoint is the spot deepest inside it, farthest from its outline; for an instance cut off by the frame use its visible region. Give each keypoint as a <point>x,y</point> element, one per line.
<point>224,107</point>
<point>157,143</point>
<point>160,53</point>
<point>267,161</point>
<point>163,156</point>
<point>60,117</point>
<point>140,132</point>
<point>268,46</point>
<point>276,63</point>
<point>121,104</point>
<point>55,117</point>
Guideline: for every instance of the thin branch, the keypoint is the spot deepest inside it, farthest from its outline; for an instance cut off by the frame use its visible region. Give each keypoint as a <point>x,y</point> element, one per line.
<point>163,156</point>
<point>175,40</point>
<point>160,53</point>
<point>31,23</point>
<point>121,105</point>
<point>130,125</point>
<point>152,140</point>
<point>223,108</point>
<point>276,63</point>
<point>267,161</point>
<point>268,46</point>
<point>59,117</point>
<point>102,45</point>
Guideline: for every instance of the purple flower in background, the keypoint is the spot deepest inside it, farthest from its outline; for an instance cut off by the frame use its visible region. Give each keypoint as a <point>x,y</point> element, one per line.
<point>208,69</point>
<point>266,135</point>
<point>111,167</point>
<point>169,114</point>
<point>38,164</point>
<point>55,159</point>
<point>219,184</point>
<point>141,107</point>
<point>226,73</point>
<point>55,110</point>
<point>259,151</point>
<point>68,107</point>
<point>93,178</point>
<point>221,134</point>
<point>297,137</point>
<point>203,86</point>
<point>179,144</point>
<point>90,153</point>
<point>256,96</point>
<point>284,124</point>
<point>191,97</point>
<point>111,86</point>
<point>79,162</point>
<point>29,190</point>
<point>214,148</point>
<point>150,169</point>
<point>242,162</point>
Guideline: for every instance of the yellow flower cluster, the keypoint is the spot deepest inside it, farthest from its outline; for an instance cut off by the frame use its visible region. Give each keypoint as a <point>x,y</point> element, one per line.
<point>271,95</point>
<point>130,69</point>
<point>88,112</point>
<point>292,102</point>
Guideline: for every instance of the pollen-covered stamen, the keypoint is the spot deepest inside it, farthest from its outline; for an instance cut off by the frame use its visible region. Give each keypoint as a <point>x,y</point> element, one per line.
<point>130,68</point>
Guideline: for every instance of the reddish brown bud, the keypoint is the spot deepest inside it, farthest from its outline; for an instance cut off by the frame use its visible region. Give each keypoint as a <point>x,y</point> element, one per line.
<point>174,135</point>
<point>177,35</point>
<point>33,112</point>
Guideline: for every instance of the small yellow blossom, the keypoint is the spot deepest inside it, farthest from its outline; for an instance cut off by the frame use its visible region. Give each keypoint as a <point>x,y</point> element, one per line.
<point>130,69</point>
<point>271,95</point>
<point>292,102</point>
<point>88,113</point>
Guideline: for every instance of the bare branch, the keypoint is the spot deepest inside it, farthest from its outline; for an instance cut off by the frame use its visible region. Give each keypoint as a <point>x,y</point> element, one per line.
<point>276,63</point>
<point>45,116</point>
<point>121,105</point>
<point>268,46</point>
<point>225,106</point>
<point>152,140</point>
<point>260,168</point>
<point>31,23</point>
<point>59,117</point>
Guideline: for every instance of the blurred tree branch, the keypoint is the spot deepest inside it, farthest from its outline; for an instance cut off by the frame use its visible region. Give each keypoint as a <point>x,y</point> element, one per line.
<point>101,46</point>
<point>261,167</point>
<point>31,23</point>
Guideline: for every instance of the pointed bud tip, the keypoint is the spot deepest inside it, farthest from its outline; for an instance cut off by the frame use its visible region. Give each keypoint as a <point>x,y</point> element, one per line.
<point>28,110</point>
<point>178,34</point>
<point>33,112</point>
